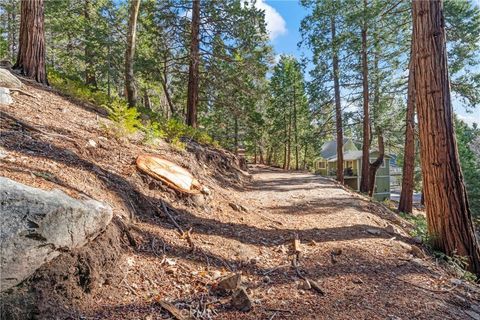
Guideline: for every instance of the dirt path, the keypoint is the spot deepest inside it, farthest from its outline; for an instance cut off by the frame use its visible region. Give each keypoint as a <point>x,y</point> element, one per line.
<point>369,279</point>
<point>371,274</point>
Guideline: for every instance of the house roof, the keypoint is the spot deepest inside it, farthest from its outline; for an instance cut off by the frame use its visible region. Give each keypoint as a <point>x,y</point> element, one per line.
<point>329,152</point>
<point>329,149</point>
<point>348,156</point>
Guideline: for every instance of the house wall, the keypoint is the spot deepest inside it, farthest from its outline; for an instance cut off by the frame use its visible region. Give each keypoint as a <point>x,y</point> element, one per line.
<point>385,171</point>
<point>382,188</point>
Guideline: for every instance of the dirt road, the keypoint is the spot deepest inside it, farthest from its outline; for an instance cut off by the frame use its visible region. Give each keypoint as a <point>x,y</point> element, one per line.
<point>348,246</point>
<point>356,250</point>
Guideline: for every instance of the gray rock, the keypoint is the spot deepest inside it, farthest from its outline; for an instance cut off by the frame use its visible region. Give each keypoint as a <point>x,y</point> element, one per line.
<point>390,229</point>
<point>8,80</point>
<point>37,225</point>
<point>231,282</point>
<point>198,200</point>
<point>375,232</point>
<point>241,300</point>
<point>5,97</point>
<point>473,314</point>
<point>235,206</point>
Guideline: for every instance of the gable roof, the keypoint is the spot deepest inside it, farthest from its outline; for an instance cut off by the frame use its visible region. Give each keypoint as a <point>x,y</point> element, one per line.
<point>329,151</point>
<point>329,148</point>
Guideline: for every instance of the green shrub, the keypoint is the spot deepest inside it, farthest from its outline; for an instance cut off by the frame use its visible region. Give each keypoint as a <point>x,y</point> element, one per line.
<point>126,120</point>
<point>458,264</point>
<point>76,89</point>
<point>420,224</point>
<point>152,132</point>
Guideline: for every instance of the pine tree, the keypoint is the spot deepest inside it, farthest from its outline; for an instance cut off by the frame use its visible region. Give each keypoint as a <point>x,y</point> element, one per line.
<point>448,214</point>
<point>131,91</point>
<point>31,48</point>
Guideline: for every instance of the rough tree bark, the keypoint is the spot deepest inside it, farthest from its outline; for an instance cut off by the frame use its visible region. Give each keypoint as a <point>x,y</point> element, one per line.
<point>448,214</point>
<point>31,47</point>
<point>289,141</point>
<point>130,89</point>
<point>406,195</point>
<point>164,82</point>
<point>338,107</point>
<point>193,70</point>
<point>295,122</point>
<point>373,167</point>
<point>364,182</point>
<point>90,78</point>
<point>146,100</point>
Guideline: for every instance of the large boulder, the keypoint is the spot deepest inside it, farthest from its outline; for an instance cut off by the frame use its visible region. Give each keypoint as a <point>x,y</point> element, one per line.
<point>5,97</point>
<point>37,225</point>
<point>8,80</point>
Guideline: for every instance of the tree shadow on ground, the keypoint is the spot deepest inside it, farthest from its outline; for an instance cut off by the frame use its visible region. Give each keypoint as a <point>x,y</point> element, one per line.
<point>130,193</point>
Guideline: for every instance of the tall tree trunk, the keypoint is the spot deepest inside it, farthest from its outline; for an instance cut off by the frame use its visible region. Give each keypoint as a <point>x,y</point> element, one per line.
<point>193,71</point>
<point>338,107</point>
<point>305,157</point>
<point>406,195</point>
<point>31,48</point>
<point>12,29</point>
<point>130,89</point>
<point>90,78</point>
<point>236,134</point>
<point>146,100</point>
<point>289,141</point>
<point>269,156</point>
<point>285,139</point>
<point>364,183</point>
<point>295,129</point>
<point>164,82</point>
<point>448,214</point>
<point>373,167</point>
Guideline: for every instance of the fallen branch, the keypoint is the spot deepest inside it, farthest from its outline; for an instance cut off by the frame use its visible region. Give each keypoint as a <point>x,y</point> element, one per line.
<point>183,235</point>
<point>428,289</point>
<point>275,268</point>
<point>313,284</point>
<point>23,92</point>
<point>174,311</point>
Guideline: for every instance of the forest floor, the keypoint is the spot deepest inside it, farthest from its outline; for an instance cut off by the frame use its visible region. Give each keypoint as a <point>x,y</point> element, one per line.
<point>356,250</point>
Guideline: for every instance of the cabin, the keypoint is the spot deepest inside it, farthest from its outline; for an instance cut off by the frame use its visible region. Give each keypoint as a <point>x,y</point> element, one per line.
<point>326,165</point>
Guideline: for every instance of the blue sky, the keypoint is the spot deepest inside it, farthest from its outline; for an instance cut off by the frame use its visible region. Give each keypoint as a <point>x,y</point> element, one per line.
<point>283,22</point>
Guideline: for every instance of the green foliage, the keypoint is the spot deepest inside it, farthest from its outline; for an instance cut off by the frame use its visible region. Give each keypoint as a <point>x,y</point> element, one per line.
<point>126,120</point>
<point>458,264</point>
<point>76,89</point>
<point>467,137</point>
<point>420,226</point>
<point>176,131</point>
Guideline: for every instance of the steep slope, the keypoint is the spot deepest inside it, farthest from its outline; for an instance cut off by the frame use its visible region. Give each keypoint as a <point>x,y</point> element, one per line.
<point>355,250</point>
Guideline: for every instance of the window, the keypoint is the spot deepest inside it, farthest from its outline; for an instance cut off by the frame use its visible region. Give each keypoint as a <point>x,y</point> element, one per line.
<point>321,165</point>
<point>383,163</point>
<point>348,164</point>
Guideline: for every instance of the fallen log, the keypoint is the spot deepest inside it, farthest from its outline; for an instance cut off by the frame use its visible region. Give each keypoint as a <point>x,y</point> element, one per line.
<point>169,173</point>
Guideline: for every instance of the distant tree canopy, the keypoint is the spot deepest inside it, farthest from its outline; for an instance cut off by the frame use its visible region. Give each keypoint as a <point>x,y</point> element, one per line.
<point>241,96</point>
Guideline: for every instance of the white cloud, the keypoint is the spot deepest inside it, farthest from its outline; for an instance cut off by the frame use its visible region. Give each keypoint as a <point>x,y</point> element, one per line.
<point>276,25</point>
<point>469,118</point>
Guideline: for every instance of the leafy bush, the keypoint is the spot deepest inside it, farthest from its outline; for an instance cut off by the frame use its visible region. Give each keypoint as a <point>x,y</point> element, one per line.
<point>152,132</point>
<point>458,264</point>
<point>77,90</point>
<point>420,223</point>
<point>126,120</point>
